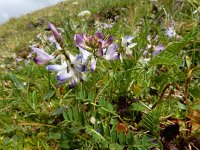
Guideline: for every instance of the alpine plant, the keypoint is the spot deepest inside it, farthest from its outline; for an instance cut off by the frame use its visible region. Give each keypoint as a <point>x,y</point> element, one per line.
<point>72,68</point>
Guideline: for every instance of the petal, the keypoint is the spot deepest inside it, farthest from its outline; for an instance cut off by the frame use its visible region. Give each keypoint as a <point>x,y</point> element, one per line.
<point>115,56</point>
<point>73,83</point>
<point>126,40</point>
<point>145,53</point>
<point>129,52</point>
<point>93,64</point>
<point>79,41</point>
<point>40,61</point>
<point>85,53</point>
<point>158,49</point>
<point>64,75</point>
<point>100,52</point>
<point>132,45</point>
<point>99,35</point>
<point>108,25</point>
<point>111,50</point>
<point>108,41</point>
<point>72,58</point>
<point>56,68</point>
<point>58,47</point>
<point>149,38</point>
<point>54,32</point>
<point>41,53</point>
<point>52,39</point>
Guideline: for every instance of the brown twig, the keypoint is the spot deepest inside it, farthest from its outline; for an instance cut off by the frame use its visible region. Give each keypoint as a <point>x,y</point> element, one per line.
<point>188,80</point>
<point>163,92</point>
<point>35,124</point>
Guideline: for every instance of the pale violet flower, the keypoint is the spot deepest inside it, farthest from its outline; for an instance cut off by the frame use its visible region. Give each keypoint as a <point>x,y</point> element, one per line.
<point>110,53</point>
<point>72,73</point>
<point>42,57</point>
<point>151,48</point>
<point>157,49</point>
<point>93,63</point>
<point>55,33</point>
<point>88,58</point>
<point>108,25</point>
<point>53,40</point>
<point>170,32</point>
<point>127,43</point>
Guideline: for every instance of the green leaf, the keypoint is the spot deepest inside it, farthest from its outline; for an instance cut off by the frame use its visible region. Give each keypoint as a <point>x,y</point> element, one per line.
<point>65,144</point>
<point>114,136</point>
<point>49,94</point>
<point>53,136</point>
<point>115,147</point>
<point>137,106</point>
<point>196,107</point>
<point>81,95</point>
<point>58,111</point>
<point>82,118</point>
<point>91,96</point>
<point>16,82</point>
<point>65,115</point>
<point>110,107</point>
<point>122,138</point>
<point>181,106</point>
<point>150,121</point>
<point>107,131</point>
<point>102,101</point>
<point>195,92</point>
<point>70,114</point>
<point>97,137</point>
<point>76,113</point>
<point>129,138</point>
<point>101,128</point>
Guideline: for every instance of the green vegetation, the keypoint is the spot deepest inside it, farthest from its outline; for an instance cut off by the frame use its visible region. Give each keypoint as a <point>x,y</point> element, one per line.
<point>147,99</point>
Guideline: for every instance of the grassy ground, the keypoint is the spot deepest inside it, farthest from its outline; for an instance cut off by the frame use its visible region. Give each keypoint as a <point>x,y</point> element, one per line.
<point>121,105</point>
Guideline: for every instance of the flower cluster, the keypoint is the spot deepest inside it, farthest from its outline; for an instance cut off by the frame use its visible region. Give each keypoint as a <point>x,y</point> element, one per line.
<point>93,46</point>
<point>72,68</point>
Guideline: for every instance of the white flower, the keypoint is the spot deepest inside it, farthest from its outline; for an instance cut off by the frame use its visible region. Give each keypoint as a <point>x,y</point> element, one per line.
<point>127,43</point>
<point>84,14</point>
<point>92,120</point>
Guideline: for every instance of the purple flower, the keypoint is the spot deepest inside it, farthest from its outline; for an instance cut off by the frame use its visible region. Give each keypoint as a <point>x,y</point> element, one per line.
<point>55,32</point>
<point>108,25</point>
<point>111,53</point>
<point>158,49</point>
<point>107,42</point>
<point>93,64</point>
<point>94,43</point>
<point>170,32</point>
<point>42,57</point>
<point>80,41</point>
<point>72,73</point>
<point>88,58</point>
<point>53,40</point>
